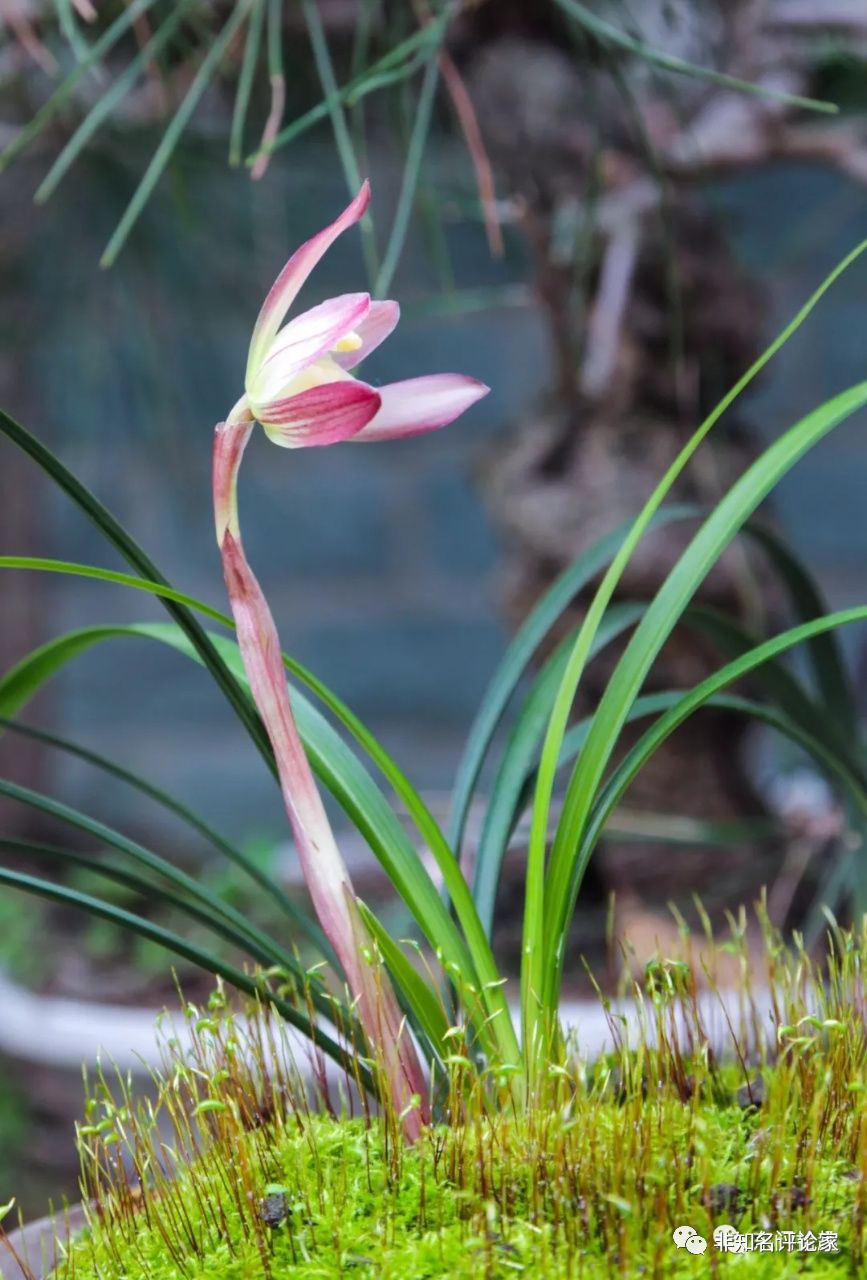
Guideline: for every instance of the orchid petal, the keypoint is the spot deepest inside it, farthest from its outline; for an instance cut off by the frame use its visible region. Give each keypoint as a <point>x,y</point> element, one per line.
<point>422,404</point>
<point>285,288</point>
<point>323,414</point>
<point>372,330</point>
<point>305,339</point>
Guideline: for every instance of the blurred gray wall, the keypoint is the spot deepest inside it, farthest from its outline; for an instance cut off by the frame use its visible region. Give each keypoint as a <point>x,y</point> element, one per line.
<point>380,562</point>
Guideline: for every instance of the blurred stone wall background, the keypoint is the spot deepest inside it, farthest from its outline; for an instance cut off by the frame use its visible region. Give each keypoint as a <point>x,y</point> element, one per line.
<point>381,563</point>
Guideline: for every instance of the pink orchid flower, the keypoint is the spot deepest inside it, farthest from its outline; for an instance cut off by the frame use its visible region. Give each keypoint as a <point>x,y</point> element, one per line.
<point>299,386</point>
<point>299,382</point>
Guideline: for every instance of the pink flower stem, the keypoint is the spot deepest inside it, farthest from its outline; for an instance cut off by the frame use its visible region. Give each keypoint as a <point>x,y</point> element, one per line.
<point>324,870</point>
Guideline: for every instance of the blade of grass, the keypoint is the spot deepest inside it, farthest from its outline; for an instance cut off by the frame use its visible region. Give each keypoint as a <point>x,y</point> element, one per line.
<point>150,890</point>
<point>414,159</point>
<point>642,825</point>
<point>656,703</point>
<point>535,906</point>
<point>173,132</point>
<point>277,81</point>
<point>258,944</point>
<point>70,568</point>
<point>351,92</point>
<point>804,596</point>
<point>122,23</point>
<point>659,620</point>
<point>298,918</point>
<point>342,136</point>
<point>203,959</point>
<point>67,23</point>
<point>510,788</point>
<point>252,46</point>
<point>114,533</point>
<point>519,654</point>
<point>610,36</point>
<point>681,706</point>
<point>483,963</point>
<point>106,103</point>
<point>519,754</point>
<point>367,17</point>
<point>779,685</point>
<point>823,651</point>
<point>421,998</point>
<point>334,764</point>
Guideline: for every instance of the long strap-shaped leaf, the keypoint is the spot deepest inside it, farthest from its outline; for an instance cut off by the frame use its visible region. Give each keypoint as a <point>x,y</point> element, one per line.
<point>804,597</point>
<point>660,619</point>
<point>205,73</point>
<point>333,762</point>
<point>422,1000</point>
<point>655,703</point>
<point>610,36</point>
<point>150,889</point>
<point>482,973</point>
<point>149,586</point>
<point>803,593</point>
<point>117,535</point>
<point>105,105</point>
<point>206,960</point>
<point>823,651</point>
<point>519,654</point>
<point>300,920</point>
<point>535,910</point>
<point>778,683</point>
<point>683,707</point>
<point>259,945</point>
<point>511,789</point>
<point>519,754</point>
<point>114,32</point>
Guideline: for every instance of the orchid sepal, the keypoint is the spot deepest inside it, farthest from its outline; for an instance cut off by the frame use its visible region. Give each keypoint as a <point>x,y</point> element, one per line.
<point>417,405</point>
<point>286,287</point>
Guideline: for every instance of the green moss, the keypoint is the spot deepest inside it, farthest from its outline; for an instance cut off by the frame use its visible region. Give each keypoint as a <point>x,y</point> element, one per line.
<point>595,1193</point>
<point>235,1174</point>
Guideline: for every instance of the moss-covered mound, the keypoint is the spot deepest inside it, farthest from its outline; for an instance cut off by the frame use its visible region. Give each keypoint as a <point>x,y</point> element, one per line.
<point>236,1172</point>
<point>596,1188</point>
<point>599,1194</point>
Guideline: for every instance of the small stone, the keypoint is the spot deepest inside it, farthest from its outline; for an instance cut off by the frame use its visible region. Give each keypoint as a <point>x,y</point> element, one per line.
<point>274,1208</point>
<point>789,1199</point>
<point>723,1197</point>
<point>751,1096</point>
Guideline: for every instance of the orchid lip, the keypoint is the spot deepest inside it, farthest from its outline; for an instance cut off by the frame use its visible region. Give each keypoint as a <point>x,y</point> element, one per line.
<point>306,339</point>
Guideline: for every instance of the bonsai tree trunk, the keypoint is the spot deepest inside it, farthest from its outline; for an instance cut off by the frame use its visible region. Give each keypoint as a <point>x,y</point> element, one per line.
<point>650,322</point>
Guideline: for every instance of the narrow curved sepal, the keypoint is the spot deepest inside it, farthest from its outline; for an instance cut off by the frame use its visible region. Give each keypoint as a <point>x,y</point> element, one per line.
<point>286,287</point>
<point>422,404</point>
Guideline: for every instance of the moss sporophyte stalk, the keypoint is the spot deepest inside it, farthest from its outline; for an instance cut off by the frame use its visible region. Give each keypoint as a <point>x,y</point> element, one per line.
<point>656,1152</point>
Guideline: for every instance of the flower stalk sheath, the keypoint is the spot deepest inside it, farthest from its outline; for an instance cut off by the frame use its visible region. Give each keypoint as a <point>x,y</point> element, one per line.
<point>300,387</point>
<point>323,867</point>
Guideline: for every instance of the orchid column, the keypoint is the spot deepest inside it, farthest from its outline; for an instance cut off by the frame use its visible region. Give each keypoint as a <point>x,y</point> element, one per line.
<point>299,387</point>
